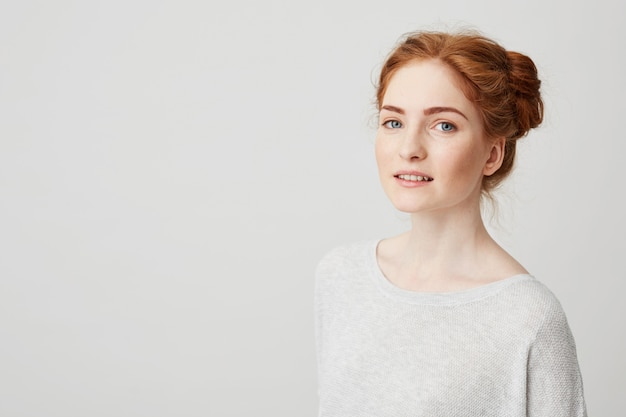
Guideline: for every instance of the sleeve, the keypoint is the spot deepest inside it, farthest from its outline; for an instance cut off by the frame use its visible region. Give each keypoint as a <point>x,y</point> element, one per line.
<point>555,386</point>
<point>321,301</point>
<point>318,299</point>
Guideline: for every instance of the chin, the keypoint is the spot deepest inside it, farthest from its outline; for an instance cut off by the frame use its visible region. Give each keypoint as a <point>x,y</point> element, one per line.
<point>409,207</point>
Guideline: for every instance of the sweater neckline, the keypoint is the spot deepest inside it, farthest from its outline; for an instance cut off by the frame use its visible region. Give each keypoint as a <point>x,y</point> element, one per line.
<point>437,298</point>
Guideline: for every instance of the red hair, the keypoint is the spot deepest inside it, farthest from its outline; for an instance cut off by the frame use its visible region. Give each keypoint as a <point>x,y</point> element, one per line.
<point>502,84</point>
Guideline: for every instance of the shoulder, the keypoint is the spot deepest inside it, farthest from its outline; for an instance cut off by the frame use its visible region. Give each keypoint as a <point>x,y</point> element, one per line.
<point>343,268</point>
<point>540,298</point>
<point>537,294</point>
<point>538,306</point>
<point>346,256</point>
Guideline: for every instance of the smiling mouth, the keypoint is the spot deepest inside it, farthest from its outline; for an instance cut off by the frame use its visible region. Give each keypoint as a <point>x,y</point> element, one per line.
<point>418,178</point>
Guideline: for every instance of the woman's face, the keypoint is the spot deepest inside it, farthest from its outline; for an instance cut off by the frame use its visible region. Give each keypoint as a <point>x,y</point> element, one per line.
<point>431,148</point>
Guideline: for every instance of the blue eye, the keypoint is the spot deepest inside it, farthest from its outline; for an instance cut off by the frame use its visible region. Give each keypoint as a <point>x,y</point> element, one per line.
<point>445,127</point>
<point>393,124</point>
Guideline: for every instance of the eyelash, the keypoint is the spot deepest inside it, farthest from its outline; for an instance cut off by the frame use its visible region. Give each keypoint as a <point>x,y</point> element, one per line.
<point>452,127</point>
<point>388,123</point>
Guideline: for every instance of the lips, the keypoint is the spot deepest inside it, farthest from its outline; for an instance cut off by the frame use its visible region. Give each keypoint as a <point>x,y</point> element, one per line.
<point>413,176</point>
<point>418,178</point>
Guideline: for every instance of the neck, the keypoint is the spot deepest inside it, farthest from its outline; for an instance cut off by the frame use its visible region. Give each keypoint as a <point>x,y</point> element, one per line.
<point>437,239</point>
<point>440,252</point>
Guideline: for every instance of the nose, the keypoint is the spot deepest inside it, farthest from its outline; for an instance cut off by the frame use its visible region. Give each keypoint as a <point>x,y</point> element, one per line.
<point>413,146</point>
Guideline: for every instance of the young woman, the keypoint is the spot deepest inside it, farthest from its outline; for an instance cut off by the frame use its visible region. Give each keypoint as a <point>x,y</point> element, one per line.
<point>440,320</point>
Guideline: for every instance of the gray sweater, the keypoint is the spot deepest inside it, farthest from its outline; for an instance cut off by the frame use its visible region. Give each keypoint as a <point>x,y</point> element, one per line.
<point>503,349</point>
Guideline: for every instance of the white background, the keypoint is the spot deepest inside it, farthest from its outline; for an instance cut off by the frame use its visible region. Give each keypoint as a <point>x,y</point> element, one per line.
<point>172,171</point>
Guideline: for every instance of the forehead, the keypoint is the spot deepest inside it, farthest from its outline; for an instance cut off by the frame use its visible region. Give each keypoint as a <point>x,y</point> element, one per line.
<point>426,83</point>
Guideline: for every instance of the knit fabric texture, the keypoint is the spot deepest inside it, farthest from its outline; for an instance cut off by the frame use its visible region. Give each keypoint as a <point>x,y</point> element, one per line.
<point>503,349</point>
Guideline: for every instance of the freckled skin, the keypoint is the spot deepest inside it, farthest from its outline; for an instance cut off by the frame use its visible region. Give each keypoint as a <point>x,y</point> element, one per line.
<point>428,127</point>
<point>448,145</point>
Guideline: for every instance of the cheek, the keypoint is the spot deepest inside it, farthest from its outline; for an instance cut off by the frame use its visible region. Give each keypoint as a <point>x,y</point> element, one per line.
<point>466,165</point>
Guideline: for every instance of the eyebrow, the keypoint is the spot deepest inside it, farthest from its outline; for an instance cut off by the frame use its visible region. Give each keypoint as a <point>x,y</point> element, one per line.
<point>427,112</point>
<point>393,109</point>
<point>434,110</point>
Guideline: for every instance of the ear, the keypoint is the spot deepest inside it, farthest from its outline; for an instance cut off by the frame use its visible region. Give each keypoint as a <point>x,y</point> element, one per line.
<point>496,156</point>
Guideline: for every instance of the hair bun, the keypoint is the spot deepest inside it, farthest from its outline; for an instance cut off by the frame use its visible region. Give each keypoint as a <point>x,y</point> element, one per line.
<point>525,84</point>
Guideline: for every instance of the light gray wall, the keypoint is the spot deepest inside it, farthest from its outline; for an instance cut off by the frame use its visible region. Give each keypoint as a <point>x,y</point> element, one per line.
<point>171,172</point>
